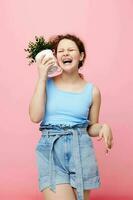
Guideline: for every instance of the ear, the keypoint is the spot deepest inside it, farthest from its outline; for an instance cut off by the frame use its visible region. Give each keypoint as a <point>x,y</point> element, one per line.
<point>81,56</point>
<point>53,51</point>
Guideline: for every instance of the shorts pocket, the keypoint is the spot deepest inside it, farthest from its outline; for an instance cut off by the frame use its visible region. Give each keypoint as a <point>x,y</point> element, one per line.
<point>42,157</point>
<point>43,147</point>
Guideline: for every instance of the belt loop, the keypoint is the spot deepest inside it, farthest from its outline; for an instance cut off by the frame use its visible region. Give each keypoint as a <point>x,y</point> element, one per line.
<point>79,130</point>
<point>47,131</point>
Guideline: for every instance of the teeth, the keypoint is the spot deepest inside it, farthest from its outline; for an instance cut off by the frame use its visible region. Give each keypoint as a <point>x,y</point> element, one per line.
<point>67,61</point>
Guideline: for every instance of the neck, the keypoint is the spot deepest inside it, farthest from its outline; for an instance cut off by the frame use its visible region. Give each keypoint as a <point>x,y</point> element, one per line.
<point>70,78</point>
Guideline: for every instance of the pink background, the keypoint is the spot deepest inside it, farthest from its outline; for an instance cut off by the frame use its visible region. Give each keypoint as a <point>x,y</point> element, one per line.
<point>106,27</point>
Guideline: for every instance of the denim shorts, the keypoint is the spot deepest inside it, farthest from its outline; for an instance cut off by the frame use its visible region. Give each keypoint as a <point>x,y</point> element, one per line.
<point>67,155</point>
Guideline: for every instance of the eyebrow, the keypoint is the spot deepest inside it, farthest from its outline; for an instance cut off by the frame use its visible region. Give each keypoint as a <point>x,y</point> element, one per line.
<point>68,48</point>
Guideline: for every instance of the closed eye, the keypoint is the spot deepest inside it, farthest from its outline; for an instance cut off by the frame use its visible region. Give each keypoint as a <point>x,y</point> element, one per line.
<point>73,50</point>
<point>60,51</point>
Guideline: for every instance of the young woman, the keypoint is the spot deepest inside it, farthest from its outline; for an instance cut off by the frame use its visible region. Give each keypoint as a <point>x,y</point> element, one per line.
<point>68,108</point>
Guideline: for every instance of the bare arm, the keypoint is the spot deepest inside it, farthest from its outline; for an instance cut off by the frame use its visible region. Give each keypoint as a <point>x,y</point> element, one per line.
<point>97,129</point>
<point>38,100</point>
<point>95,126</point>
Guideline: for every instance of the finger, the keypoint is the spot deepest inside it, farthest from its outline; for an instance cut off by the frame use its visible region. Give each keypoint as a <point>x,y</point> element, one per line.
<point>51,63</point>
<point>106,142</point>
<point>100,137</point>
<point>106,151</point>
<point>46,60</point>
<point>42,58</point>
<point>39,60</point>
<point>110,143</point>
<point>106,147</point>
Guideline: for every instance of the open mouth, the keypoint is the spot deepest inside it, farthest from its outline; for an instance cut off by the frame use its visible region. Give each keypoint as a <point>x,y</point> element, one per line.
<point>67,61</point>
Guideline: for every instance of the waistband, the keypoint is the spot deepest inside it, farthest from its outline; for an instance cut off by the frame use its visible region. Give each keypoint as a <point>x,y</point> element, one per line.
<point>58,132</point>
<point>65,126</point>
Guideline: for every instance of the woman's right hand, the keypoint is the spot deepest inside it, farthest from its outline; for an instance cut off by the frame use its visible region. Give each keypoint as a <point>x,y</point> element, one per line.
<point>43,65</point>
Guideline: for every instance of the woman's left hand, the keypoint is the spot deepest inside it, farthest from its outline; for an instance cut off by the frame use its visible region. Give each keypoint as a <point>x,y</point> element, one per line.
<point>106,133</point>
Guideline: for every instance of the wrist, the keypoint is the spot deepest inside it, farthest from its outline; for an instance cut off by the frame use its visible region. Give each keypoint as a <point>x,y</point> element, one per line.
<point>94,129</point>
<point>104,124</point>
<point>100,127</point>
<point>42,79</point>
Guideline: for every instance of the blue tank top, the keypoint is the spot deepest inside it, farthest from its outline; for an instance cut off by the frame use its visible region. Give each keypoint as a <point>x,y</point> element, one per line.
<point>66,108</point>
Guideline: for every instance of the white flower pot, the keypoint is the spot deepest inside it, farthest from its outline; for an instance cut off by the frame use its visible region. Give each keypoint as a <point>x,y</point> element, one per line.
<point>48,53</point>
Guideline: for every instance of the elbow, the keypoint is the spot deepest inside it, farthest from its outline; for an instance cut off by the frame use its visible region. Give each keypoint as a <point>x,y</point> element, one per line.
<point>35,120</point>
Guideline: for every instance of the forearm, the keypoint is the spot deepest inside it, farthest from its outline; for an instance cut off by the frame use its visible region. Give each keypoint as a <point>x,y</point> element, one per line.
<point>36,107</point>
<point>93,130</point>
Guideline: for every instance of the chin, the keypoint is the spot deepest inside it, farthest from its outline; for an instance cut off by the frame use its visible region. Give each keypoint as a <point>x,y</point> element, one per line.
<point>68,68</point>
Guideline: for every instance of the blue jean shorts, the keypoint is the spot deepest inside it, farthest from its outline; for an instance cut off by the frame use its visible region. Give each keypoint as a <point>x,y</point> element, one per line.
<point>67,155</point>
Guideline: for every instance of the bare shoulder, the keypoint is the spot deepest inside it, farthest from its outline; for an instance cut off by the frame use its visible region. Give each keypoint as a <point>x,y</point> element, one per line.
<point>96,92</point>
<point>95,107</point>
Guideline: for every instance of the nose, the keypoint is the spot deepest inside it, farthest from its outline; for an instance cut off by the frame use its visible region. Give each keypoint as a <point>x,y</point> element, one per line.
<point>66,52</point>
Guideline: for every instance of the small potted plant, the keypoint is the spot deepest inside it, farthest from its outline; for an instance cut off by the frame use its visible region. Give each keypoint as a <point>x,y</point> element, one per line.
<point>39,48</point>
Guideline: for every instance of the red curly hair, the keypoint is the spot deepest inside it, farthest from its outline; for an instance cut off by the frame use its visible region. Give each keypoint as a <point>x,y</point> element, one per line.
<point>56,39</point>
